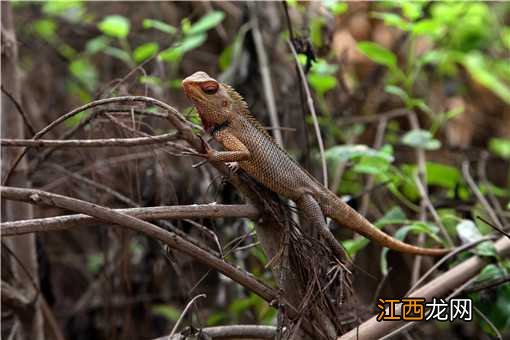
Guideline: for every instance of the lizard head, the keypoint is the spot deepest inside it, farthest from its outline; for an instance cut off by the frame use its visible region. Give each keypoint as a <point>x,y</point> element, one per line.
<point>212,99</point>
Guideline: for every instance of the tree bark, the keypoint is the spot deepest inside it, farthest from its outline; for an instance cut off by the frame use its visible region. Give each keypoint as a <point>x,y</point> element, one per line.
<point>24,268</point>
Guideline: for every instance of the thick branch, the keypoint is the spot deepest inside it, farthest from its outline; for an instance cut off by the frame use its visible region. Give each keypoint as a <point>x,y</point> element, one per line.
<point>152,213</point>
<point>439,287</point>
<point>117,218</point>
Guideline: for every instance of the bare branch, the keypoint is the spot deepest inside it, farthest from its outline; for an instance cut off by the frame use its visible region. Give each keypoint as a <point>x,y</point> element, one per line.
<point>235,332</point>
<point>440,286</point>
<point>171,239</point>
<point>152,213</point>
<point>89,143</point>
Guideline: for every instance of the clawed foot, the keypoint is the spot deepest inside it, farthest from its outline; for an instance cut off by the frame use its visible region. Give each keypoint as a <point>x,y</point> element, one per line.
<point>233,167</point>
<point>206,151</point>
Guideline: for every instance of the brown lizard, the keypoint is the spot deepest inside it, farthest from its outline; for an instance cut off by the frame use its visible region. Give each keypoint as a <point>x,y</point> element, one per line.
<point>225,116</point>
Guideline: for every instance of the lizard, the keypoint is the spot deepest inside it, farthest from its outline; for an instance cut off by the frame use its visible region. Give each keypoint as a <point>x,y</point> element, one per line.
<point>225,116</point>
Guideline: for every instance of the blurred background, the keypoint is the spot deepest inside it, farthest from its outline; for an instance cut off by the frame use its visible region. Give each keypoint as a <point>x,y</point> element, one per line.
<point>389,81</point>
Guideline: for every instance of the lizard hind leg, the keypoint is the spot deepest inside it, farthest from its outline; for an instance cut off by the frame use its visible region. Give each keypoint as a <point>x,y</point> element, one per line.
<point>313,214</point>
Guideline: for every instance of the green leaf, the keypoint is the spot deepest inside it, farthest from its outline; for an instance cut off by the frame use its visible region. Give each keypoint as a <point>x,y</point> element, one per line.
<point>478,68</point>
<point>322,83</point>
<point>442,175</point>
<point>97,44</point>
<point>429,27</point>
<point>336,7</point>
<point>347,152</point>
<point>72,10</point>
<point>167,311</point>
<point>145,51</point>
<point>316,27</point>
<point>115,26</point>
<point>393,19</point>
<point>468,232</point>
<point>119,54</point>
<point>422,139</point>
<point>159,25</point>
<point>85,71</point>
<point>46,29</point>
<point>212,19</point>
<point>397,91</point>
<point>173,54</point>
<point>500,147</point>
<point>416,228</point>
<point>378,53</point>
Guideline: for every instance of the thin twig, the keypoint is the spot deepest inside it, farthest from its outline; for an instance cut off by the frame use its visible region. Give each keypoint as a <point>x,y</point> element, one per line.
<point>24,116</point>
<point>311,108</point>
<point>265,73</point>
<point>447,257</point>
<point>184,313</point>
<point>474,188</point>
<point>90,143</point>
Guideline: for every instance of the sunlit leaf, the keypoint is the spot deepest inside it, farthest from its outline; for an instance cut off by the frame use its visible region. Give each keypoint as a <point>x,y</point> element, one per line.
<point>145,51</point>
<point>500,147</point>
<point>210,20</point>
<point>159,25</point>
<point>46,29</point>
<point>322,83</point>
<point>97,44</point>
<point>115,26</point>
<point>378,54</point>
<point>423,139</point>
<point>85,71</point>
<point>167,311</point>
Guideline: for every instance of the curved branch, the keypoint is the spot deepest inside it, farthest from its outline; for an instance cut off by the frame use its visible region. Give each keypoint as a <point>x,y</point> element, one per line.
<point>123,220</point>
<point>439,287</point>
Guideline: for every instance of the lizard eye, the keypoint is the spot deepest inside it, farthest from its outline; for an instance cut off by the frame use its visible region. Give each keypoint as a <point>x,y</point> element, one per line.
<point>209,87</point>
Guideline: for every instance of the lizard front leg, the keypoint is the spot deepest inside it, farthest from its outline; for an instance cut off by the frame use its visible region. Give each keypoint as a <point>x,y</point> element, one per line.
<point>237,151</point>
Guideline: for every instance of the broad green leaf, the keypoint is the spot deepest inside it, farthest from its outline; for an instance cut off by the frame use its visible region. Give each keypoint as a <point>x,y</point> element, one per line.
<point>416,228</point>
<point>397,91</point>
<point>322,83</point>
<point>378,53</point>
<point>97,44</point>
<point>442,175</point>
<point>423,139</point>
<point>167,311</point>
<point>71,10</point>
<point>468,232</point>
<point>118,53</point>
<point>159,25</point>
<point>210,20</point>
<point>477,67</point>
<point>316,28</point>
<point>429,27</point>
<point>85,71</point>
<point>393,19</point>
<point>336,7</point>
<point>347,152</point>
<point>46,29</point>
<point>173,54</point>
<point>500,147</point>
<point>412,9</point>
<point>145,51</point>
<point>115,26</point>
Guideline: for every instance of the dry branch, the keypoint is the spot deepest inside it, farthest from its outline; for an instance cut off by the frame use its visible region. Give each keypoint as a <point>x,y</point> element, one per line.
<point>173,240</point>
<point>89,143</point>
<point>439,287</point>
<point>152,213</point>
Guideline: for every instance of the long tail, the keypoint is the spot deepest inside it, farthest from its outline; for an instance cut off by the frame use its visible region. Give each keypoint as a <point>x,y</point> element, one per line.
<point>347,217</point>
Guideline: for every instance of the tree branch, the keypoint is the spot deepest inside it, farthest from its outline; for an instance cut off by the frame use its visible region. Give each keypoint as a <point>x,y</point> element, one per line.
<point>151,213</point>
<point>439,287</point>
<point>171,239</point>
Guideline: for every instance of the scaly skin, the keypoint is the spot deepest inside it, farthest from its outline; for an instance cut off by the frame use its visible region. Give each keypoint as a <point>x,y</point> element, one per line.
<point>225,115</point>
